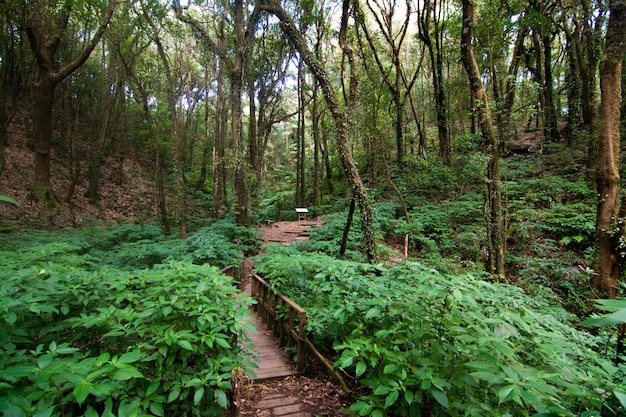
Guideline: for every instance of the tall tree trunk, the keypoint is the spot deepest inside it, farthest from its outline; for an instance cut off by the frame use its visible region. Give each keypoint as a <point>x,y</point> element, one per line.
<point>206,148</point>
<point>158,162</point>
<point>609,227</point>
<point>42,136</point>
<point>359,191</point>
<point>574,83</point>
<point>551,130</point>
<point>219,154</point>
<point>495,224</point>
<point>11,77</point>
<point>507,130</point>
<point>346,229</point>
<point>177,136</point>
<point>317,169</point>
<point>44,43</point>
<point>300,134</point>
<point>430,15</point>
<point>106,109</point>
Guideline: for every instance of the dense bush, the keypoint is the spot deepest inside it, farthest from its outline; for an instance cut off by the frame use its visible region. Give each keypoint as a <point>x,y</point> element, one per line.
<point>443,344</point>
<point>80,336</point>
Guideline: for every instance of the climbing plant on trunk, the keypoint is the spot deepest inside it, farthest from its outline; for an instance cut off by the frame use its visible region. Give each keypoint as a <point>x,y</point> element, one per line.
<point>342,127</point>
<point>495,224</point>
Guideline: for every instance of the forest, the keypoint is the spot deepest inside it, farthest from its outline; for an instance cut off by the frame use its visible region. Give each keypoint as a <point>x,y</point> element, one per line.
<point>464,157</point>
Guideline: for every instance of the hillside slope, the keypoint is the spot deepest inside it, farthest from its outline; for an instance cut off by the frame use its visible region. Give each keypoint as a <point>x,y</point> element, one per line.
<point>125,189</point>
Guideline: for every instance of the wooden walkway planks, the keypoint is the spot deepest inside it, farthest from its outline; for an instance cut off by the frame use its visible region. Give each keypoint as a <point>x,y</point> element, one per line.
<point>271,360</point>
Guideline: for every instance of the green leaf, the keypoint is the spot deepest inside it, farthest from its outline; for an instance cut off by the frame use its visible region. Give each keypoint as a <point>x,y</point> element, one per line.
<point>194,382</point>
<point>152,388</point>
<point>372,312</point>
<point>185,344</point>
<point>157,409</point>
<point>220,397</point>
<point>197,397</point>
<point>408,396</point>
<point>48,412</point>
<point>382,390</point>
<point>360,368</point>
<point>173,395</point>
<point>81,391</point>
<point>346,362</point>
<point>621,397</point>
<point>8,199</point>
<point>391,399</point>
<point>125,374</point>
<point>130,357</point>
<point>11,410</point>
<point>617,317</point>
<point>441,398</point>
<point>358,406</point>
<point>612,305</point>
<point>390,368</point>
<point>505,392</point>
<point>223,343</point>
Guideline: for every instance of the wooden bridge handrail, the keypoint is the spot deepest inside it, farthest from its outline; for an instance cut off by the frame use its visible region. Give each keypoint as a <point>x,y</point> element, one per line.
<point>281,328</point>
<point>280,295</point>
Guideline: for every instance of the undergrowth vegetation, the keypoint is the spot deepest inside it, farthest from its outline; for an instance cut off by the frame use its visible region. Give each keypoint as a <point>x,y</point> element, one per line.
<point>548,209</point>
<point>120,322</point>
<point>424,342</point>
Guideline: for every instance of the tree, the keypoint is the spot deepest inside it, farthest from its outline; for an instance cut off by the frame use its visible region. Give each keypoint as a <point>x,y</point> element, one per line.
<point>397,84</point>
<point>609,222</point>
<point>234,55</point>
<point>11,71</point>
<point>46,27</point>
<point>359,191</point>
<point>431,23</point>
<point>495,225</point>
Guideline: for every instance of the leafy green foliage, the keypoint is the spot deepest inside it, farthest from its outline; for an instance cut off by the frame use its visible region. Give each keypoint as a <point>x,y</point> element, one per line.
<point>424,341</point>
<point>81,336</point>
<point>616,309</point>
<point>327,237</point>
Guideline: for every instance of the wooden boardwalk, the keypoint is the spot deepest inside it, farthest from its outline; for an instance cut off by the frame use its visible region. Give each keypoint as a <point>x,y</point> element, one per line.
<point>273,363</point>
<point>271,360</point>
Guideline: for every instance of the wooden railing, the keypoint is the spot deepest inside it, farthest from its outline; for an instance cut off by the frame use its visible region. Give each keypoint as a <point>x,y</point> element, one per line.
<point>284,318</point>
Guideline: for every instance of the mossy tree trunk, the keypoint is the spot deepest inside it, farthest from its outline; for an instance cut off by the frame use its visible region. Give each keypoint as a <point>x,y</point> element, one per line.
<point>609,224</point>
<point>342,126</point>
<point>495,224</point>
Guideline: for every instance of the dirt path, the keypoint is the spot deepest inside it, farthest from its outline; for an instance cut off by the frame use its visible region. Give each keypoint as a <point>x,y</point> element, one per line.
<point>288,232</point>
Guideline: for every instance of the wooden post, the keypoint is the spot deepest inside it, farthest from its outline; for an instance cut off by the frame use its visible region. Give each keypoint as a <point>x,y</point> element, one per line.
<point>301,338</point>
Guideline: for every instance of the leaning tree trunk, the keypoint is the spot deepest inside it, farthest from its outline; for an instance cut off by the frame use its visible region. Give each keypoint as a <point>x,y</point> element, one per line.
<point>608,222</point>
<point>359,191</point>
<point>495,231</point>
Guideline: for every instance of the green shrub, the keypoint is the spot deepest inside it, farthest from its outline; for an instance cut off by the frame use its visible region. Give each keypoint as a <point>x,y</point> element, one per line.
<point>426,342</point>
<point>108,322</point>
<point>111,342</point>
